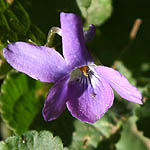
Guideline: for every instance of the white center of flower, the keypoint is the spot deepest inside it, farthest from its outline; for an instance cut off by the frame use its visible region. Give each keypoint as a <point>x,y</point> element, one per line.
<point>85,75</point>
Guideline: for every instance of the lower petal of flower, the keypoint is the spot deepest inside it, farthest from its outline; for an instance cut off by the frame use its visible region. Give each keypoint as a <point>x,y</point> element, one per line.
<point>89,98</point>
<point>56,100</point>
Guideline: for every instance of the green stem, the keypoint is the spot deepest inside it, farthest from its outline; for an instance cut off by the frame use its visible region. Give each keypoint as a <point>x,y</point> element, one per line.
<point>51,34</point>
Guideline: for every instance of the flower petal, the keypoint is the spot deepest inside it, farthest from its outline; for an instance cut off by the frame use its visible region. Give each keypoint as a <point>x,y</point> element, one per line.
<point>74,49</point>
<point>56,100</point>
<point>89,100</point>
<point>120,84</point>
<point>39,62</point>
<point>90,33</point>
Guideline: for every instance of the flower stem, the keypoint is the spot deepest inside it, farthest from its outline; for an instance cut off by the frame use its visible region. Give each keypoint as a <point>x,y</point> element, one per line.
<point>51,35</point>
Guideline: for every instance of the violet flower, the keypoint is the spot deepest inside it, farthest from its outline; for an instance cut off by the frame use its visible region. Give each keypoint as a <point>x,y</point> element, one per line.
<point>82,86</point>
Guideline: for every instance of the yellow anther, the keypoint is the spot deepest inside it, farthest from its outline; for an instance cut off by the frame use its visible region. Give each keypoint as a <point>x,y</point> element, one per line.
<point>84,69</point>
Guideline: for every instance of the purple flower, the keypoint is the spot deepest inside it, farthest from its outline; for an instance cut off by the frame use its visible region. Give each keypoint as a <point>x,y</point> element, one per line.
<point>82,86</point>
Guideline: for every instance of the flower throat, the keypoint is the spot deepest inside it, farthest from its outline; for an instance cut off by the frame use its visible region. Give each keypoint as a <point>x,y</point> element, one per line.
<point>84,69</point>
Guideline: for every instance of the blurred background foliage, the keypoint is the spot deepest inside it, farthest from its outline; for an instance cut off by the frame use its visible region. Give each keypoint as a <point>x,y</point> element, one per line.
<point>126,125</point>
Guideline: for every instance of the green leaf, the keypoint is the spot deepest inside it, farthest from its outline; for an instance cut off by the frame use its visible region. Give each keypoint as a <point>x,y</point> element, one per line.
<point>18,18</point>
<point>3,5</point>
<point>19,101</point>
<point>131,137</point>
<point>4,68</point>
<point>14,22</point>
<point>84,3</point>
<point>15,25</point>
<point>84,136</point>
<point>143,122</point>
<point>95,11</point>
<point>32,140</point>
<point>106,125</point>
<point>4,27</point>
<point>76,134</point>
<point>146,92</point>
<point>2,46</point>
<point>36,35</point>
<point>144,110</point>
<point>92,136</point>
<point>58,127</point>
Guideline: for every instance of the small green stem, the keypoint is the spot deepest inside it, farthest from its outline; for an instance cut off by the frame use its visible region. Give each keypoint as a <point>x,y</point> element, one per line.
<point>51,34</point>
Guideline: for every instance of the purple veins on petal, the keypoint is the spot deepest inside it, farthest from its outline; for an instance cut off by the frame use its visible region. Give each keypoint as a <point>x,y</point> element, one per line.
<point>89,98</point>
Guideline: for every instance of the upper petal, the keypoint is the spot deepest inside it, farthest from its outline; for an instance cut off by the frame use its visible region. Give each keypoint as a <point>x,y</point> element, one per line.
<point>74,49</point>
<point>89,99</point>
<point>90,33</point>
<point>56,100</point>
<point>39,62</point>
<point>120,84</point>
